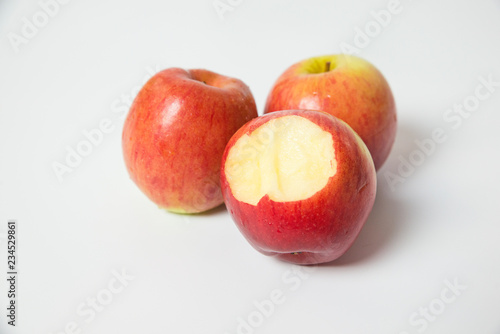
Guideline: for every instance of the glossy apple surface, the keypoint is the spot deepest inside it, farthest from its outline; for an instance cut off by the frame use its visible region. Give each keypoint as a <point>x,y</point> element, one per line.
<point>298,184</point>
<point>347,87</point>
<point>175,134</point>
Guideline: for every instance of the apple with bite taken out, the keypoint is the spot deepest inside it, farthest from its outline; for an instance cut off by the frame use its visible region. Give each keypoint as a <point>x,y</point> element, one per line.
<point>347,87</point>
<point>175,134</point>
<point>299,185</point>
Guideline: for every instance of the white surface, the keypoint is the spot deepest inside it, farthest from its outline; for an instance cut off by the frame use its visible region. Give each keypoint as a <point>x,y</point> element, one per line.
<point>196,274</point>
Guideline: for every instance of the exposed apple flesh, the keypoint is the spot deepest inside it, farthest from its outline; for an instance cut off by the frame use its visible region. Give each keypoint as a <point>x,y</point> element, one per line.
<point>298,184</point>
<point>286,169</point>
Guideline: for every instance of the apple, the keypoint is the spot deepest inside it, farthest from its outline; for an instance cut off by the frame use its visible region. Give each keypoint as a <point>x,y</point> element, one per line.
<point>299,185</point>
<point>347,87</point>
<point>176,131</point>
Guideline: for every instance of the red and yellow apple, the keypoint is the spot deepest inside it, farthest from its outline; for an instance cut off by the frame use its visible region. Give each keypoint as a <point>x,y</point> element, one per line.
<point>344,86</point>
<point>175,134</point>
<point>299,185</point>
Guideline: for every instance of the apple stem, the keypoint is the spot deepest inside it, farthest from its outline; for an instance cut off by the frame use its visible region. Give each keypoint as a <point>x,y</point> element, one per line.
<point>328,63</point>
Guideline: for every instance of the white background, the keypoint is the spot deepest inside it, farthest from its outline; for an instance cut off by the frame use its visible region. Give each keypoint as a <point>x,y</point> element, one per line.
<point>197,274</point>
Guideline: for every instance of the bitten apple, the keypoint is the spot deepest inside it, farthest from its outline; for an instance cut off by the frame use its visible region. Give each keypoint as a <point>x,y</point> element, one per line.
<point>175,134</point>
<point>347,87</point>
<point>298,184</point>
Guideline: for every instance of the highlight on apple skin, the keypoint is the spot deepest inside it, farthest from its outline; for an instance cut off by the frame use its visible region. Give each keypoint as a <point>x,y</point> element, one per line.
<point>299,185</point>
<point>344,86</point>
<point>176,131</point>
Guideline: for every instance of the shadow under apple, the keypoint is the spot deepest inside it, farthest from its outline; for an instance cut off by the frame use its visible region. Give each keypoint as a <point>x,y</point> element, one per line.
<point>212,212</point>
<point>387,218</point>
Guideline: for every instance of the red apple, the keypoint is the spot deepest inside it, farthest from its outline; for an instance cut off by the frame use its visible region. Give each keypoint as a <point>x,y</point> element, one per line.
<point>347,87</point>
<point>298,184</point>
<point>175,134</point>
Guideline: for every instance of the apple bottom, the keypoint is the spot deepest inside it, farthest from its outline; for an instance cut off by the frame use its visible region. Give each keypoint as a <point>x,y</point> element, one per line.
<point>196,195</point>
<point>302,232</point>
<point>305,258</point>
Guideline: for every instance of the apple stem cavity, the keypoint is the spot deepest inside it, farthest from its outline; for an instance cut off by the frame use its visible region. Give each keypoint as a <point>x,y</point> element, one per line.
<point>327,67</point>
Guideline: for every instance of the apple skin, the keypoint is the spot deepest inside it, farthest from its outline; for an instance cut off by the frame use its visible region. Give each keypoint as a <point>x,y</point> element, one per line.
<point>322,227</point>
<point>176,131</point>
<point>352,90</point>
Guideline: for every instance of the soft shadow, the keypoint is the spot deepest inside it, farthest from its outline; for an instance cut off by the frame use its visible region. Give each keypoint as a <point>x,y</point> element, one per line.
<point>403,146</point>
<point>388,216</point>
<point>212,212</point>
<point>383,225</point>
